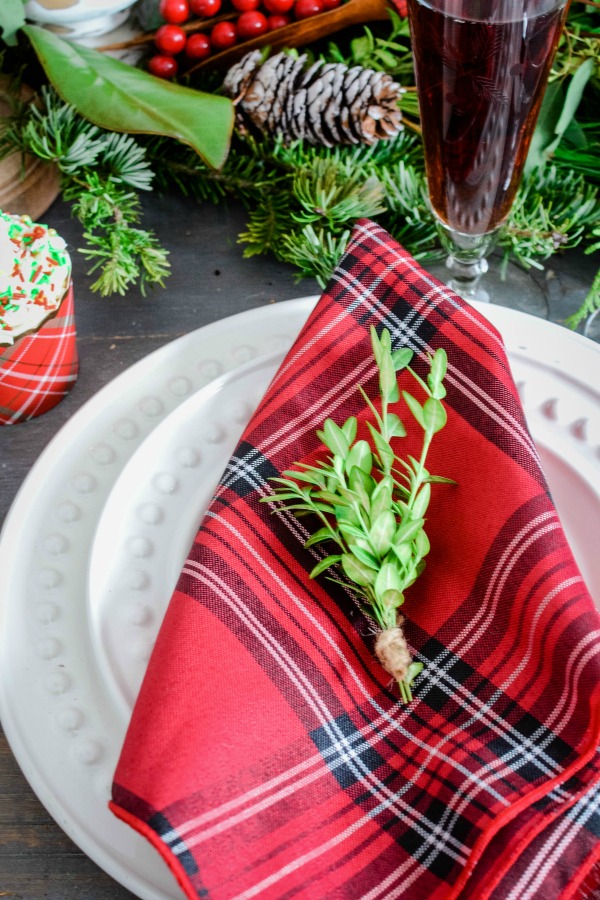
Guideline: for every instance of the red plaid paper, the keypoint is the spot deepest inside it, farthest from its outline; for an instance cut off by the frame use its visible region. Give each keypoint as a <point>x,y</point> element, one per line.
<point>39,369</point>
<point>268,753</point>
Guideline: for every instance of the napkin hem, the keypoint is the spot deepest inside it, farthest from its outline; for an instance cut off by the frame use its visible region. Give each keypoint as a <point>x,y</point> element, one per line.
<point>150,835</point>
<point>526,801</point>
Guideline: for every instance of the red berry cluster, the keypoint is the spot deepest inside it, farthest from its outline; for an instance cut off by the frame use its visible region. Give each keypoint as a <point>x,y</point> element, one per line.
<point>255,17</point>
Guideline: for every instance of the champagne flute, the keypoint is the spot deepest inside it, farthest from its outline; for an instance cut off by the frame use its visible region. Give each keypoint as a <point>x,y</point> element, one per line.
<point>481,69</point>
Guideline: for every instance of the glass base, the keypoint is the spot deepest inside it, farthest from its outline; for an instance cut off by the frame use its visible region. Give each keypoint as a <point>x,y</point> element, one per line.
<point>518,289</point>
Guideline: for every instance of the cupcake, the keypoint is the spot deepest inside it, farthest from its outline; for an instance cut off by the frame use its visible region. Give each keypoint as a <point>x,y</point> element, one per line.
<point>38,354</point>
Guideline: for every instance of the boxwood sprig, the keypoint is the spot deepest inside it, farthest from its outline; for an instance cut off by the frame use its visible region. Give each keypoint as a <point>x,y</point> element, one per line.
<point>371,503</point>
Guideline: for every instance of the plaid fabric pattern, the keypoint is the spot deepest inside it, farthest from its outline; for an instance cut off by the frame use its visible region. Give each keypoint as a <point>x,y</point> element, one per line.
<point>39,369</point>
<point>268,753</point>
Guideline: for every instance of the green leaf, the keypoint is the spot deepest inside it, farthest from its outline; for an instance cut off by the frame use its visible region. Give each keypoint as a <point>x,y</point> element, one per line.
<point>334,438</point>
<point>381,498</point>
<point>360,483</point>
<point>365,557</point>
<point>119,97</point>
<point>422,501</point>
<point>392,599</point>
<point>384,451</point>
<point>402,358</point>
<point>375,345</point>
<point>408,531</point>
<point>323,534</point>
<point>360,456</point>
<point>414,669</point>
<point>556,118</point>
<point>324,564</point>
<point>357,571</point>
<point>388,579</point>
<point>434,415</point>
<point>388,384</point>
<point>440,479</point>
<point>349,428</point>
<point>422,545</point>
<point>403,552</point>
<point>394,426</point>
<point>12,17</point>
<point>437,373</point>
<point>382,531</point>
<point>415,408</point>
<point>351,529</point>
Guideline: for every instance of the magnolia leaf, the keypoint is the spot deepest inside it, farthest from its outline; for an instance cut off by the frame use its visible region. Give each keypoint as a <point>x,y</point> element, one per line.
<point>349,428</point>
<point>422,501</point>
<point>119,97</point>
<point>12,17</point>
<point>402,358</point>
<point>434,415</point>
<point>415,408</point>
<point>556,115</point>
<point>360,456</point>
<point>382,531</point>
<point>324,564</point>
<point>357,571</point>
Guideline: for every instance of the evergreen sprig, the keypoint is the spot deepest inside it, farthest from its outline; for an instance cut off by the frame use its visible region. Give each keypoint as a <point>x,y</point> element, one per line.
<point>371,504</point>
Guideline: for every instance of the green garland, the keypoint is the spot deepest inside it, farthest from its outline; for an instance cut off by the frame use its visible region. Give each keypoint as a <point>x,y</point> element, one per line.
<point>302,201</point>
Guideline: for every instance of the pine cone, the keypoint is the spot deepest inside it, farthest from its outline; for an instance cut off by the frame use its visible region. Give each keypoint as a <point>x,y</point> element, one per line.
<point>328,104</point>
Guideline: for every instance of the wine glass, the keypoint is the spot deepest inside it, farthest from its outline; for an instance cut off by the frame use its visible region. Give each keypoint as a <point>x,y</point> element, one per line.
<point>481,69</point>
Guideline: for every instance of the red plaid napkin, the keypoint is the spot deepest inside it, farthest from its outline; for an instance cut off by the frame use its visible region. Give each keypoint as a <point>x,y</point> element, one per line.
<point>39,369</point>
<point>269,755</point>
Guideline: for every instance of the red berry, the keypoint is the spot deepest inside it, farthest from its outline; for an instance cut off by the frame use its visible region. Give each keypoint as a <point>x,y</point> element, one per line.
<point>251,24</point>
<point>330,4</point>
<point>205,8</point>
<point>278,6</point>
<point>174,11</point>
<point>245,5</point>
<point>223,35</point>
<point>303,9</point>
<point>170,39</point>
<point>198,46</point>
<point>275,22</point>
<point>163,66</point>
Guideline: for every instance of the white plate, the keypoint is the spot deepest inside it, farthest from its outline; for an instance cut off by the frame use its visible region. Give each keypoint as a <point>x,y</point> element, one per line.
<point>94,541</point>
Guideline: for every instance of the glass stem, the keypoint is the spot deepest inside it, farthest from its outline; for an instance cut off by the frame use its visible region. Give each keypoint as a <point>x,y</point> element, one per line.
<point>467,260</point>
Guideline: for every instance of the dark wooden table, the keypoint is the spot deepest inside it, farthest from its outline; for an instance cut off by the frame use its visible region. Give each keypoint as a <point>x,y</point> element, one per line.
<point>210,280</point>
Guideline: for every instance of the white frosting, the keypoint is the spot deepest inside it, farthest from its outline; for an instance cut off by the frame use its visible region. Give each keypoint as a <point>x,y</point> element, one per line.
<point>35,270</point>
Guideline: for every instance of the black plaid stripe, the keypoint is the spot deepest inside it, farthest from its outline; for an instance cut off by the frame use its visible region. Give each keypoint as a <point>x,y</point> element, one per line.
<point>159,823</point>
<point>248,470</point>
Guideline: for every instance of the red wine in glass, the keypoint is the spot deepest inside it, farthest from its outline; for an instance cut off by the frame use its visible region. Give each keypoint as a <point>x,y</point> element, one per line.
<point>481,67</point>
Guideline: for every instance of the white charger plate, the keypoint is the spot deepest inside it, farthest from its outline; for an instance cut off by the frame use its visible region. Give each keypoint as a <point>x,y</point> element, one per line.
<point>93,544</point>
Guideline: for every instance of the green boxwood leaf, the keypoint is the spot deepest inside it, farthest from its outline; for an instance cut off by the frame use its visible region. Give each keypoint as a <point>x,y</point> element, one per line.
<point>394,425</point>
<point>323,534</point>
<point>334,438</point>
<point>357,571</point>
<point>382,532</point>
<point>408,531</point>
<point>119,97</point>
<point>388,579</point>
<point>324,564</point>
<point>349,428</point>
<point>434,415</point>
<point>360,456</point>
<point>422,501</point>
<point>360,483</point>
<point>402,358</point>
<point>364,556</point>
<point>381,498</point>
<point>415,408</point>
